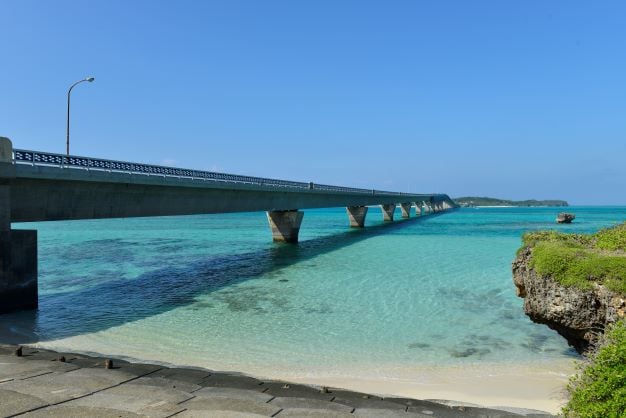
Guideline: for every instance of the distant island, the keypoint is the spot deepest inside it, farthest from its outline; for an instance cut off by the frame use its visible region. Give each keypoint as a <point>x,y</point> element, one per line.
<point>490,201</point>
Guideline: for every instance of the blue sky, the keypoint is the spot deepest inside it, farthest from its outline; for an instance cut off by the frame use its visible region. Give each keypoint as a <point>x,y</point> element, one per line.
<point>521,99</point>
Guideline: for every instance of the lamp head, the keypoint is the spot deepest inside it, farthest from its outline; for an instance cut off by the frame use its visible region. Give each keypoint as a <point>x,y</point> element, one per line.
<point>90,79</point>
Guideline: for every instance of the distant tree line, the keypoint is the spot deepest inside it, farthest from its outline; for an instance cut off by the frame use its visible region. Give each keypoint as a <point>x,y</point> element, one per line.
<point>491,201</point>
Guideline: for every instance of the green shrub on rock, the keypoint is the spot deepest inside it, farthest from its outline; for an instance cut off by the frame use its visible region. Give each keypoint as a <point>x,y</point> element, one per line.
<point>581,260</point>
<point>570,240</point>
<point>580,267</point>
<point>599,390</point>
<point>612,239</point>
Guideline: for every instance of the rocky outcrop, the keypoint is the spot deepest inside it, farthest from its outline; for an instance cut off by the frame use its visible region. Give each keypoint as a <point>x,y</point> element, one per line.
<point>578,315</point>
<point>565,218</point>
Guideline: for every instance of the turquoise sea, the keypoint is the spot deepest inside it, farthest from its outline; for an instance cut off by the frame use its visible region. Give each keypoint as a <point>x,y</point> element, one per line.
<point>214,291</point>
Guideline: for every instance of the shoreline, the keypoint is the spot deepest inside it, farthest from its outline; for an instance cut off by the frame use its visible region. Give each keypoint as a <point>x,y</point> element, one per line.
<point>490,385</point>
<point>510,386</point>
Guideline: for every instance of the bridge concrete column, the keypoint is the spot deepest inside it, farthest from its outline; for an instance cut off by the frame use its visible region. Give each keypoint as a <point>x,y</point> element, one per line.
<point>388,211</point>
<point>18,270</point>
<point>406,210</point>
<point>6,157</point>
<point>285,224</point>
<point>6,150</point>
<point>356,214</point>
<point>18,252</point>
<point>5,208</point>
<point>418,208</point>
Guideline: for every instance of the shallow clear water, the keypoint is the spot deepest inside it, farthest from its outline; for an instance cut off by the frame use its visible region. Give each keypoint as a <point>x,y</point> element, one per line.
<point>214,291</point>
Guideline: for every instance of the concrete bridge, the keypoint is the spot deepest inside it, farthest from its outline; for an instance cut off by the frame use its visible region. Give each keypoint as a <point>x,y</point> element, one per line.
<point>40,186</point>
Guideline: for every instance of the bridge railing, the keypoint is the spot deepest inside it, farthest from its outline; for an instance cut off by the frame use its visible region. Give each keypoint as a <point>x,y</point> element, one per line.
<point>87,163</point>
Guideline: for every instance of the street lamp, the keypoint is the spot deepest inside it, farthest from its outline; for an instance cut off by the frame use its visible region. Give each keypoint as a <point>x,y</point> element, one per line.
<point>67,143</point>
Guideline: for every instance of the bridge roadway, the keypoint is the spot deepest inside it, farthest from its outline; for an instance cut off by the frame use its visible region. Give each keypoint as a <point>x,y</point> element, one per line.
<point>40,186</point>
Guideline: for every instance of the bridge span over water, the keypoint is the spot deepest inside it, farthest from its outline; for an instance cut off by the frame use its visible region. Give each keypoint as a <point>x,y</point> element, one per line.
<point>41,186</point>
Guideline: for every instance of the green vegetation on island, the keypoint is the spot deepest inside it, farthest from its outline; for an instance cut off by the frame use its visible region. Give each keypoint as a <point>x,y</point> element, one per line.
<point>472,201</point>
<point>581,260</point>
<point>599,389</point>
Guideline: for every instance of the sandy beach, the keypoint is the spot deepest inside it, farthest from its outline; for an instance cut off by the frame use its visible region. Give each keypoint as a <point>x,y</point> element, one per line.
<point>538,387</point>
<point>37,380</point>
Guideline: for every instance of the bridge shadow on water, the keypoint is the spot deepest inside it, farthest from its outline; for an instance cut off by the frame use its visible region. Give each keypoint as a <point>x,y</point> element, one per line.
<point>114,303</point>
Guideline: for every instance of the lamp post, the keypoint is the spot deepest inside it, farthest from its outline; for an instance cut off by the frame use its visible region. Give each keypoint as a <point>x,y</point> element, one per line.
<point>69,92</point>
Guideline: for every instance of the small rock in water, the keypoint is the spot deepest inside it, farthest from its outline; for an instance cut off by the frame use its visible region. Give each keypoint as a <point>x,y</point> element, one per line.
<point>471,351</point>
<point>565,218</point>
<point>61,359</point>
<point>108,364</point>
<point>419,345</point>
<point>18,351</point>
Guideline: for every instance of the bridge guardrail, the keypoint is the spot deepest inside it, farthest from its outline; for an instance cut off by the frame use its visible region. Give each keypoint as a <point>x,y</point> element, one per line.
<point>72,161</point>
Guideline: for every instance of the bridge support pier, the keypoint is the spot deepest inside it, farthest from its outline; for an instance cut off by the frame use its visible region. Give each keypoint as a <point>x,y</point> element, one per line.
<point>285,225</point>
<point>356,214</point>
<point>406,210</point>
<point>18,270</point>
<point>388,210</point>
<point>18,253</point>
<point>418,208</point>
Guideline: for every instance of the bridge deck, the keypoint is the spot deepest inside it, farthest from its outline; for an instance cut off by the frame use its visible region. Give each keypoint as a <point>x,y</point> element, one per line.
<point>46,186</point>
